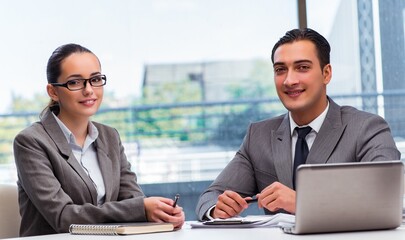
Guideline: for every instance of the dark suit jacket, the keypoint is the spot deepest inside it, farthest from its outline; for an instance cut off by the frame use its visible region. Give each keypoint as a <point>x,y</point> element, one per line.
<point>346,135</point>
<point>55,191</point>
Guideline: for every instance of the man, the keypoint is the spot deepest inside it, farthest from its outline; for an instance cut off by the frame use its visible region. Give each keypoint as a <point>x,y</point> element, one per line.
<point>264,165</point>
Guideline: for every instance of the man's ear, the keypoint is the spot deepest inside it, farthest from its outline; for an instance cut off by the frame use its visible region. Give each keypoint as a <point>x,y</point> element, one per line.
<point>327,74</point>
<point>53,94</point>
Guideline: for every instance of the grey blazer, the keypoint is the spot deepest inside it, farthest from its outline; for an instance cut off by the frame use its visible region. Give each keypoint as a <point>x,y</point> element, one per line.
<point>346,135</point>
<point>55,191</point>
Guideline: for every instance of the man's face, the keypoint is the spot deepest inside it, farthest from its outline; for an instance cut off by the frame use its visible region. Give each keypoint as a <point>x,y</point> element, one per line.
<point>300,81</point>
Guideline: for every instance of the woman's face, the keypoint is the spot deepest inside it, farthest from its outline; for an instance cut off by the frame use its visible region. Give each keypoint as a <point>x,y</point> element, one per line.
<point>83,103</point>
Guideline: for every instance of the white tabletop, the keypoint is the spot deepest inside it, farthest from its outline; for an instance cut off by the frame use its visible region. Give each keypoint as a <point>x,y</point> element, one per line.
<point>235,234</point>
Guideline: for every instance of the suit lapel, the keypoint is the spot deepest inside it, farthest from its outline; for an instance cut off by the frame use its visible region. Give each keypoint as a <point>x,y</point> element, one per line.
<point>323,146</point>
<point>328,136</point>
<point>56,134</point>
<point>106,168</point>
<point>281,148</point>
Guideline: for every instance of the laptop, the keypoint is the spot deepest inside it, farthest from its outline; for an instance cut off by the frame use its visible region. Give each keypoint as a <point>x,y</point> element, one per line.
<point>343,197</point>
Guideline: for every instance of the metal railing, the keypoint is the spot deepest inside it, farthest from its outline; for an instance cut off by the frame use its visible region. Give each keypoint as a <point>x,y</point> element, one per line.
<point>193,141</point>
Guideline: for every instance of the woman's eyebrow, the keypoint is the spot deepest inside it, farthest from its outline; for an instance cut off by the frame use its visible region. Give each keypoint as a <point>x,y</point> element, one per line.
<point>80,76</point>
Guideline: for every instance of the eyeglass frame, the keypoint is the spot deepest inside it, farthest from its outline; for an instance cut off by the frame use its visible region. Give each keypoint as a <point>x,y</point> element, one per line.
<point>85,80</point>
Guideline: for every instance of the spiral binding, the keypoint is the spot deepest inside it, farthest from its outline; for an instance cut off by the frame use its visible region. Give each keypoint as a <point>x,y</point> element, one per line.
<point>92,229</point>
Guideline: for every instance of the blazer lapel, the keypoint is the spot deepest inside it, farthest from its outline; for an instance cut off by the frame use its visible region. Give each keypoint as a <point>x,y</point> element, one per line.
<point>56,134</point>
<point>106,168</point>
<point>281,148</point>
<point>328,136</point>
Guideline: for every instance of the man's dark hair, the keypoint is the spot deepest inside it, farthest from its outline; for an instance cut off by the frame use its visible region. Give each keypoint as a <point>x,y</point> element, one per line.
<point>321,44</point>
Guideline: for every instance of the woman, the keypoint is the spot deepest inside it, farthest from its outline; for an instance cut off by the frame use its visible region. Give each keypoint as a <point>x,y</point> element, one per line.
<point>72,170</point>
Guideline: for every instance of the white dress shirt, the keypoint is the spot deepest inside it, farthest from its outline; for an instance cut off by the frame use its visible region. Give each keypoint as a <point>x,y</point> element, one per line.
<point>310,138</point>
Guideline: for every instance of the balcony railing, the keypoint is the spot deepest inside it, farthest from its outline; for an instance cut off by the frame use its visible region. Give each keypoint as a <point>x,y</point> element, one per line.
<point>193,141</point>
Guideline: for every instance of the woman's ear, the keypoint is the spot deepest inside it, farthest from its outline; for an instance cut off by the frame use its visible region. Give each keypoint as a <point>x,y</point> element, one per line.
<point>52,92</point>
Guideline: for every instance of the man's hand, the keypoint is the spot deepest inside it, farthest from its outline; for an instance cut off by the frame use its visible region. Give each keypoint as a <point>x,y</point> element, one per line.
<point>277,196</point>
<point>229,204</point>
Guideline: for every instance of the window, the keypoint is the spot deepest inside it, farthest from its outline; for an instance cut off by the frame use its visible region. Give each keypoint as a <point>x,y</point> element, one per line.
<point>180,75</point>
<point>186,77</point>
<point>367,39</point>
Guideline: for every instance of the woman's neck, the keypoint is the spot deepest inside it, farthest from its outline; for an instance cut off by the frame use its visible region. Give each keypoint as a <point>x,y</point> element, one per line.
<point>78,127</point>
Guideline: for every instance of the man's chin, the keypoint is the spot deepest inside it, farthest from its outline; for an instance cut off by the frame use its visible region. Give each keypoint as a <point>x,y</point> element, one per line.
<point>293,106</point>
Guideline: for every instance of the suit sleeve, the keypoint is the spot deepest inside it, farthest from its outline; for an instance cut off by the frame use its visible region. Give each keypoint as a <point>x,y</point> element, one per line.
<point>375,142</point>
<point>237,176</point>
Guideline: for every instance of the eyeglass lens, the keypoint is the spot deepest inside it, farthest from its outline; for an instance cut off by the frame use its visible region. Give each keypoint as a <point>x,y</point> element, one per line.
<point>77,84</point>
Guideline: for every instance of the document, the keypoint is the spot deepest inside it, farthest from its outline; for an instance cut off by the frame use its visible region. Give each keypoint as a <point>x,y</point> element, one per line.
<point>252,221</point>
<point>120,228</point>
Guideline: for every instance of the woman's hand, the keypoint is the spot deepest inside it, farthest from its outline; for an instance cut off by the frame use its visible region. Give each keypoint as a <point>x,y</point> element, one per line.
<point>159,209</point>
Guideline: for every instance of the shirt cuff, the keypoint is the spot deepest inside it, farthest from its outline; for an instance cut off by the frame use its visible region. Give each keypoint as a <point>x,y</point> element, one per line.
<point>208,213</point>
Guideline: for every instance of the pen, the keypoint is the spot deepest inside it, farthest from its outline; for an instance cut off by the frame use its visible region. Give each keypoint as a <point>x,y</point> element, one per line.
<point>254,199</point>
<point>176,198</point>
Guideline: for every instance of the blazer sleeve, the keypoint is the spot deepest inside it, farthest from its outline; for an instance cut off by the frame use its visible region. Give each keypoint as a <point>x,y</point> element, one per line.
<point>46,178</point>
<point>243,182</point>
<point>375,142</point>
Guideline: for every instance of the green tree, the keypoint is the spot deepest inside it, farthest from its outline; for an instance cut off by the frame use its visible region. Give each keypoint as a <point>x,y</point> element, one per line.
<point>167,123</point>
<point>33,104</point>
<point>259,83</point>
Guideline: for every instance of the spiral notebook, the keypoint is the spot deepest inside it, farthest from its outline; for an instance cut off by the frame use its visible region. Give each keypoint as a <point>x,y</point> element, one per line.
<point>120,228</point>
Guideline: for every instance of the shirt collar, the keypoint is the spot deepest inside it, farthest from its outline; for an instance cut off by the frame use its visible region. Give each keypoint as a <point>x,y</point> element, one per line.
<point>92,131</point>
<point>315,124</point>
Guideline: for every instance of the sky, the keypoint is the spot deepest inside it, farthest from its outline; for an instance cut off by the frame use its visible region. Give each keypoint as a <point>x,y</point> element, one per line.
<point>127,34</point>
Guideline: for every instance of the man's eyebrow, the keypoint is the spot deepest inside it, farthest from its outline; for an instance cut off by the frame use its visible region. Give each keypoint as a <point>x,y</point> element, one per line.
<point>303,61</point>
<point>295,62</point>
<point>278,64</point>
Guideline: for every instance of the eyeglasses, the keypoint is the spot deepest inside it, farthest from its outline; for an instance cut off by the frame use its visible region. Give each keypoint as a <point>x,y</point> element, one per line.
<point>80,83</point>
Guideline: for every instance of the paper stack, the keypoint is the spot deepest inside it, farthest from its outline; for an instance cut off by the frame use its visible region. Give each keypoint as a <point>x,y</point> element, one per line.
<point>277,220</point>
